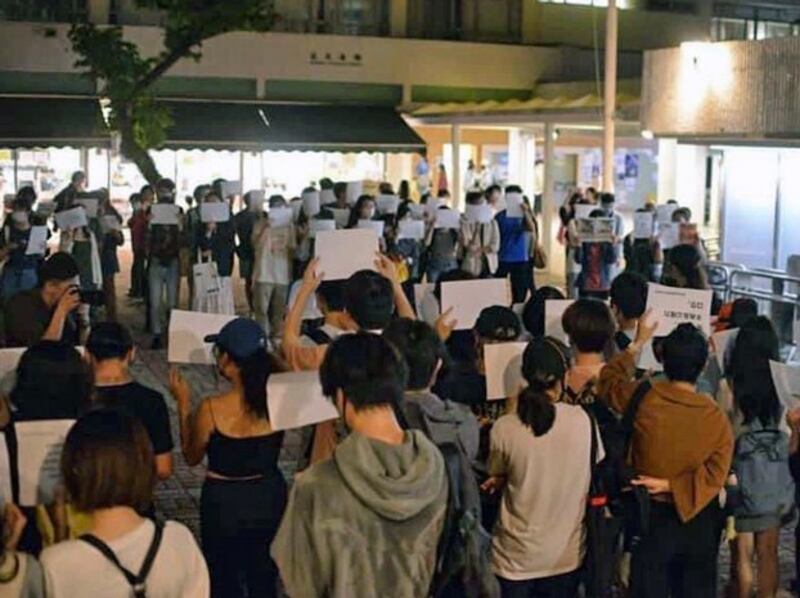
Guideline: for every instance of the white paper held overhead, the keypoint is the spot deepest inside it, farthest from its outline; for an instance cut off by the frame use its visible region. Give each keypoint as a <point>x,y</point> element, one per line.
<point>342,253</point>
<point>468,298</point>
<point>165,213</point>
<point>187,332</point>
<point>411,229</point>
<point>671,307</point>
<point>446,218</point>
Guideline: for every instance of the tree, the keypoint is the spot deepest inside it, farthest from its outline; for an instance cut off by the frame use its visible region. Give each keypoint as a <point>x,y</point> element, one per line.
<point>126,78</point>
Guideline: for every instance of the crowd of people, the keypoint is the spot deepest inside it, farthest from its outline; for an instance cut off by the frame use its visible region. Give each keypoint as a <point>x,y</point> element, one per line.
<point>592,478</point>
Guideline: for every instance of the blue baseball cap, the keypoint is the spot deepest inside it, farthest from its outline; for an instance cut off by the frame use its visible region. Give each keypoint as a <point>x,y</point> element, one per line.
<point>240,338</point>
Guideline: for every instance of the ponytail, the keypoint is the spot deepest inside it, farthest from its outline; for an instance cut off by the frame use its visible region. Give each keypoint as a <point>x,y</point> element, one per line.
<point>535,410</point>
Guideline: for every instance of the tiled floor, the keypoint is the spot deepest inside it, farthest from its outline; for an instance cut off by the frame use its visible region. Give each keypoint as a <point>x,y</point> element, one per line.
<point>179,497</point>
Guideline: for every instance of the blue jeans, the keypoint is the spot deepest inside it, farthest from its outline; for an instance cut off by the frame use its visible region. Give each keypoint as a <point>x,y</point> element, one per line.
<point>162,277</point>
<point>438,267</point>
<point>17,280</point>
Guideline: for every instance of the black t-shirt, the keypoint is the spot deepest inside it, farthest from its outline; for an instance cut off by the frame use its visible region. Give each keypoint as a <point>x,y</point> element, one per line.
<point>27,318</point>
<point>145,404</point>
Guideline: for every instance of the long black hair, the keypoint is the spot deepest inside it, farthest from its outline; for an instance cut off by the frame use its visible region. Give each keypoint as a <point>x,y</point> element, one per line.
<point>545,363</point>
<point>754,393</point>
<point>255,371</point>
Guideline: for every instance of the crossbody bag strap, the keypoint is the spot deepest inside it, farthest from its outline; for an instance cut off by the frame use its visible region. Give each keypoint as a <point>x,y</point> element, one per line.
<point>137,582</point>
<point>630,413</point>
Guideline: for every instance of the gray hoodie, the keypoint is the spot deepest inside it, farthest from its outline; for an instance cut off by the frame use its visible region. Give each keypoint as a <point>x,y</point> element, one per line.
<point>442,421</point>
<point>365,523</point>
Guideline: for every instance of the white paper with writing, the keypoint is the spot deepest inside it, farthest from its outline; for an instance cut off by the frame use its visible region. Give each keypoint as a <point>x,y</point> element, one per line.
<point>165,213</point>
<point>469,297</point>
<point>187,331</point>
<point>71,219</point>
<point>503,370</point>
<point>39,445</point>
<point>342,253</point>
<point>553,313</point>
<point>672,307</point>
<point>37,242</point>
<point>295,400</point>
<point>584,211</point>
<point>664,213</point>
<point>595,230</point>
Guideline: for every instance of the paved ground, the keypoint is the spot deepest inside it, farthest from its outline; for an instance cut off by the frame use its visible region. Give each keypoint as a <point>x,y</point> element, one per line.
<point>179,497</point>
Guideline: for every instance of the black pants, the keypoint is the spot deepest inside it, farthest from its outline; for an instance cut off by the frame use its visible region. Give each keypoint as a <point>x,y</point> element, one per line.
<point>558,586</point>
<point>138,282</point>
<point>521,275</point>
<point>675,558</point>
<point>238,521</point>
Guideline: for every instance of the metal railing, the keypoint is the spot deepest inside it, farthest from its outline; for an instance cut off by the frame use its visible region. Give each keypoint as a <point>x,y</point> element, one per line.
<point>777,293</point>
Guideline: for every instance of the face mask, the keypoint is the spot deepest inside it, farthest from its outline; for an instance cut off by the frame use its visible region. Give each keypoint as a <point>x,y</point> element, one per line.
<point>19,217</point>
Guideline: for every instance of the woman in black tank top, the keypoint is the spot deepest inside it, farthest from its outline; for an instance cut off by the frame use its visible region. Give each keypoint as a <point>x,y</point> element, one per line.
<point>244,494</point>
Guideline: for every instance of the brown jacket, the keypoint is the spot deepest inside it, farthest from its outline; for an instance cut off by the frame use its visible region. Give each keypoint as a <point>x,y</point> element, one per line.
<point>679,435</point>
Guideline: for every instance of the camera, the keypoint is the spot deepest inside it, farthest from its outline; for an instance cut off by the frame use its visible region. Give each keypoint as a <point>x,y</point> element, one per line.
<point>92,297</point>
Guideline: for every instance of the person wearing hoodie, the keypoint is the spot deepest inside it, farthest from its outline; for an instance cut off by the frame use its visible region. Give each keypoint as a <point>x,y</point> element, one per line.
<point>442,421</point>
<point>367,521</point>
<point>681,449</point>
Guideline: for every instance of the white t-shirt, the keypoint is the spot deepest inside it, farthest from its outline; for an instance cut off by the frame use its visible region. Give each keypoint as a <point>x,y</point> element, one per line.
<point>273,250</point>
<point>540,530</point>
<point>74,568</point>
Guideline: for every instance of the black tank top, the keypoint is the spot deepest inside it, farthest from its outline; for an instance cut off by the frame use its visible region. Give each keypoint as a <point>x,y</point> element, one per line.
<point>248,457</point>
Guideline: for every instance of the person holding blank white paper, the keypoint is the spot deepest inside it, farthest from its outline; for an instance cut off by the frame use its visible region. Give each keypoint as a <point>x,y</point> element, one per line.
<point>19,269</point>
<point>216,243</point>
<point>244,493</point>
<point>273,245</point>
<point>514,253</point>
<point>541,457</point>
<point>441,245</point>
<point>479,242</point>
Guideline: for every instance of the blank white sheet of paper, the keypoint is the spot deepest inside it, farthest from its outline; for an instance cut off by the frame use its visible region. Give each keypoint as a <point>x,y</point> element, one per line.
<point>342,253</point>
<point>215,211</point>
<point>37,242</point>
<point>468,298</point>
<point>553,313</point>
<point>295,400</point>
<point>411,229</point>
<point>447,219</point>
<point>71,219</point>
<point>39,445</point>
<point>787,383</point>
<point>165,213</point>
<point>187,331</point>
<point>503,370</point>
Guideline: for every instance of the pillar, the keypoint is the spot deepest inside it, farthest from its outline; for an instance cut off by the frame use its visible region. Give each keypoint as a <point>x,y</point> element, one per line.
<point>515,149</point>
<point>549,225</point>
<point>398,18</point>
<point>667,169</point>
<point>455,167</point>
<point>610,97</point>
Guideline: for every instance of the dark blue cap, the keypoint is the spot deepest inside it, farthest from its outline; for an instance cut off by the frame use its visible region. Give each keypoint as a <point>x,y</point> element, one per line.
<point>240,338</point>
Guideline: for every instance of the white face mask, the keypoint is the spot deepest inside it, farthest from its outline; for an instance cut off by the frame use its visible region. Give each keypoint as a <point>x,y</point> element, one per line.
<point>19,217</point>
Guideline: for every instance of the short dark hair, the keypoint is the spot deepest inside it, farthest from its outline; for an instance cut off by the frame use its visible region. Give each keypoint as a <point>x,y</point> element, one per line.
<point>589,325</point>
<point>165,183</point>
<point>513,189</point>
<point>339,188</point>
<point>53,382</point>
<point>533,312</point>
<point>325,183</point>
<point>27,194</point>
<point>443,193</point>
<point>607,198</point>
<point>629,294</point>
<point>78,175</point>
<point>332,293</point>
<point>474,197</point>
<point>498,323</point>
<point>420,347</point>
<point>369,299</point>
<point>492,189</point>
<point>108,461</point>
<point>366,368</point>
<point>109,340</point>
<point>58,267</point>
<point>685,353</point>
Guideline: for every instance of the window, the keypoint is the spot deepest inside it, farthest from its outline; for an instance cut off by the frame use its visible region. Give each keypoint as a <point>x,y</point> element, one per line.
<point>728,29</point>
<point>623,4</point>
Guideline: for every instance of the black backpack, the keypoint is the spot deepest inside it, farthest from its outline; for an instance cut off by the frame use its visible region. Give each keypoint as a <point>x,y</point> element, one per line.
<point>462,557</point>
<point>138,582</point>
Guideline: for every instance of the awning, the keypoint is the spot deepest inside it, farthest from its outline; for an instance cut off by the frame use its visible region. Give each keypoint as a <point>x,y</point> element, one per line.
<point>52,121</point>
<point>289,127</point>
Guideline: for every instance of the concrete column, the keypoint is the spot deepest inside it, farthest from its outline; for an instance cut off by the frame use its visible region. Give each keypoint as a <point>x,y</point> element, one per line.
<point>261,88</point>
<point>529,20</point>
<point>408,97</point>
<point>549,225</point>
<point>528,174</point>
<point>455,167</point>
<point>398,18</point>
<point>99,11</point>
<point>610,97</point>
<point>515,148</point>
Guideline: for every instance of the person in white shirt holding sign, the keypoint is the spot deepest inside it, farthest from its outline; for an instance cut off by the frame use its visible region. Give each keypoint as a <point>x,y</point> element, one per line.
<point>479,238</point>
<point>274,241</point>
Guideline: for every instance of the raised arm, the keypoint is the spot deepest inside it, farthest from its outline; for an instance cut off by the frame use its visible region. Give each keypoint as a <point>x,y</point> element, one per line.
<point>388,268</point>
<point>195,428</point>
<point>294,320</point>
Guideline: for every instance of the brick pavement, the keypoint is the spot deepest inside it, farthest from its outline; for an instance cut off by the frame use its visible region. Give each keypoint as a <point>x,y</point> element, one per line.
<point>179,497</point>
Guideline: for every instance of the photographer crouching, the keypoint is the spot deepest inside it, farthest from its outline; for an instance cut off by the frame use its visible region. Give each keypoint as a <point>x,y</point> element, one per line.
<point>52,310</point>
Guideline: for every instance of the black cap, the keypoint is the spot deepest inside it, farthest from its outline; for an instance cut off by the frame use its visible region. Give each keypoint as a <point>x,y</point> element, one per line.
<point>240,338</point>
<point>60,266</point>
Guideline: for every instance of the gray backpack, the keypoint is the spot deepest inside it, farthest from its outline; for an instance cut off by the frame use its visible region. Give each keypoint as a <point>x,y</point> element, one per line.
<point>761,465</point>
